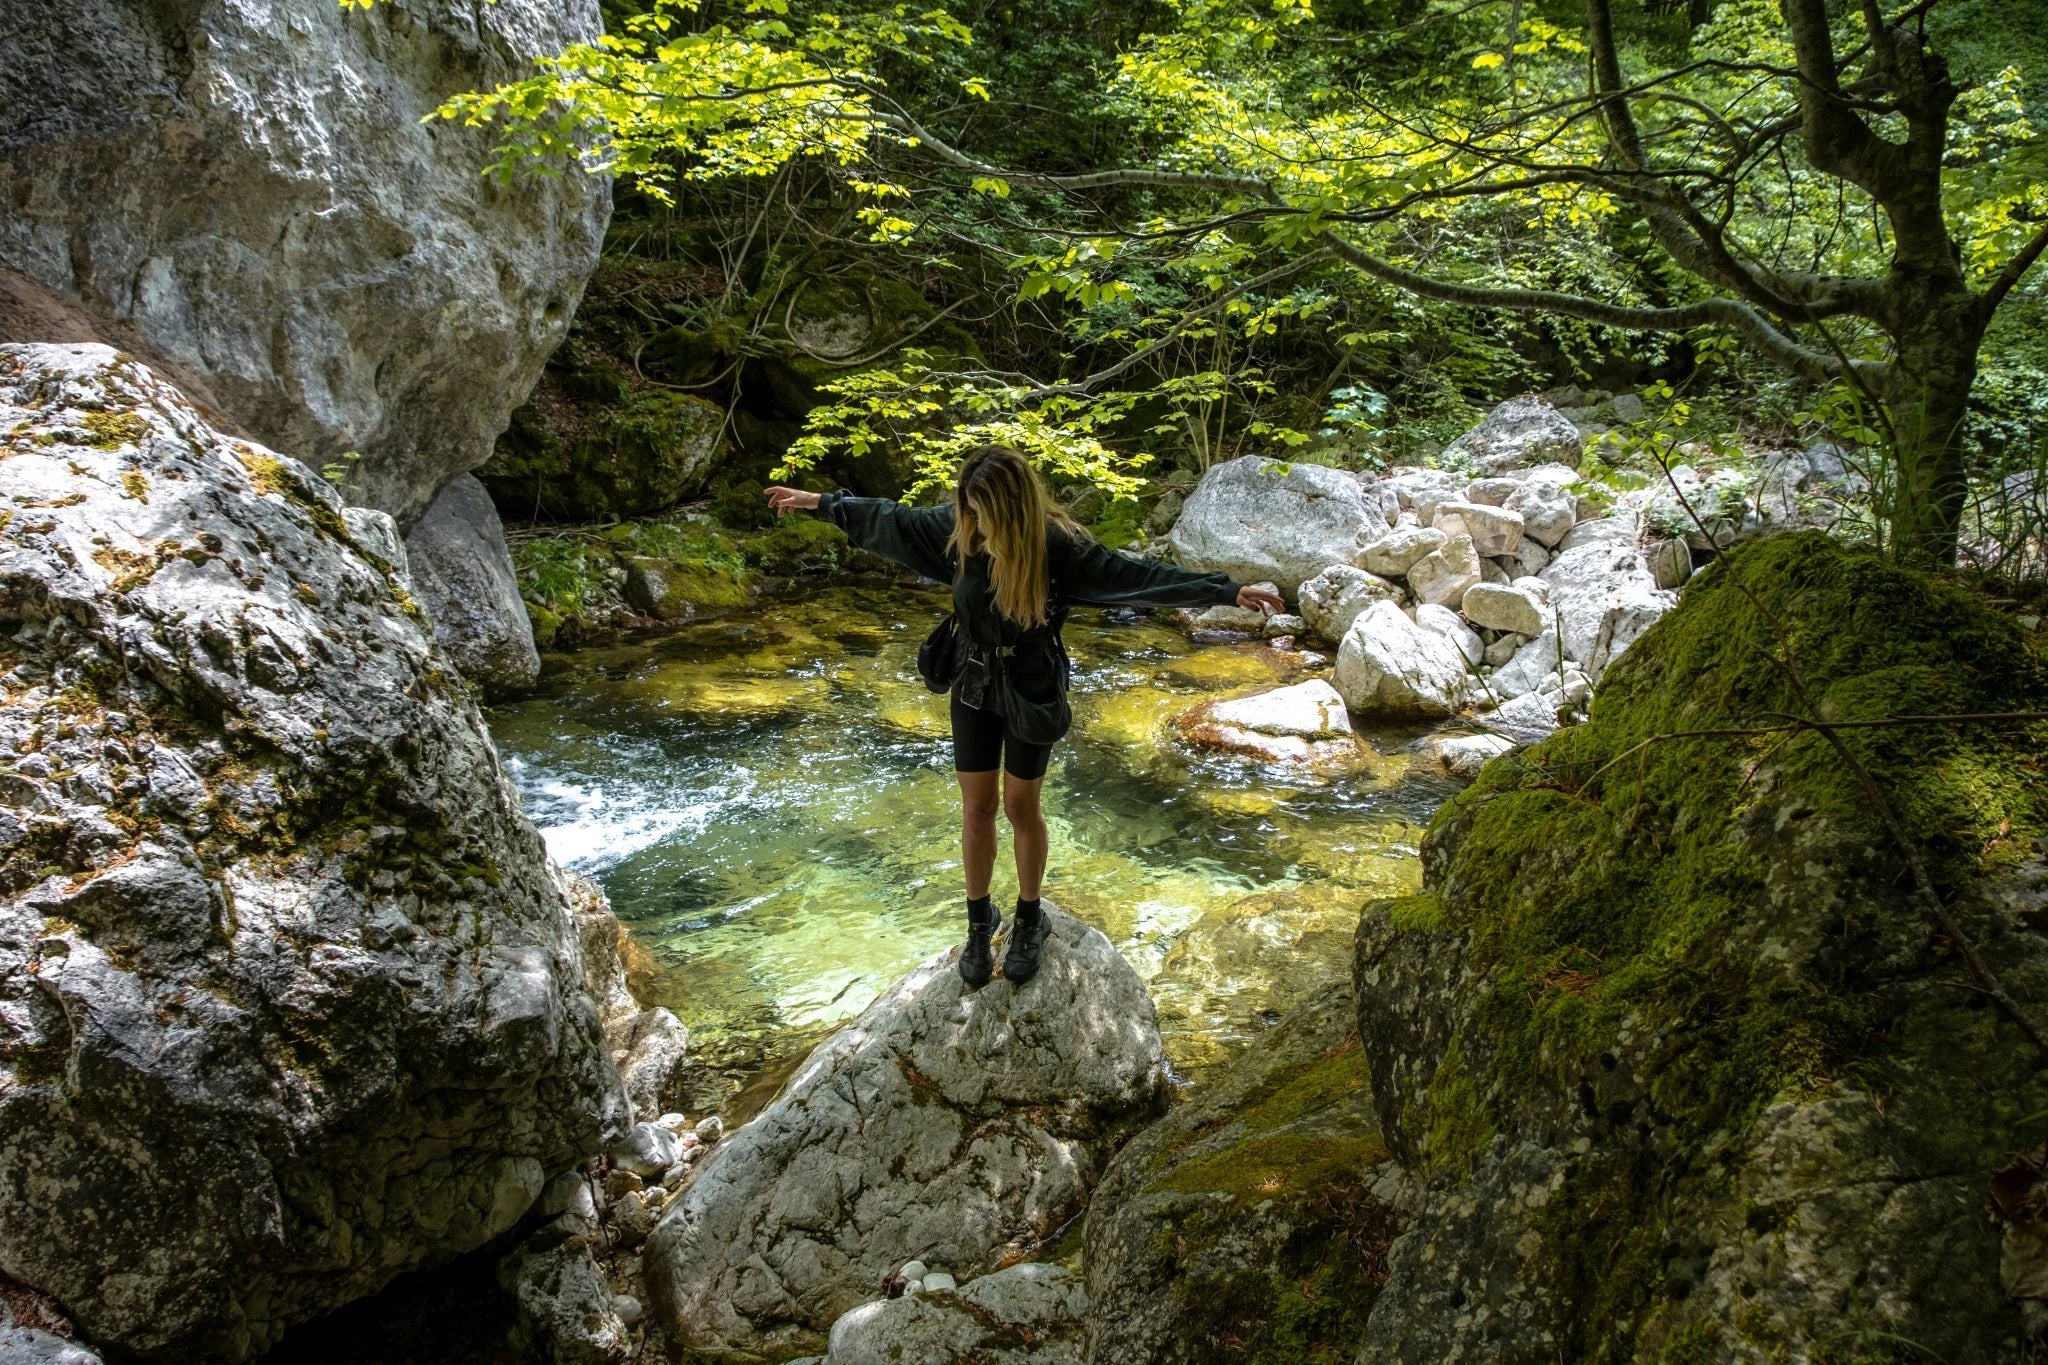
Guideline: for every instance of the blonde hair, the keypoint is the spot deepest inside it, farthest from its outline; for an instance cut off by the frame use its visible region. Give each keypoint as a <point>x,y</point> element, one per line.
<point>1016,512</point>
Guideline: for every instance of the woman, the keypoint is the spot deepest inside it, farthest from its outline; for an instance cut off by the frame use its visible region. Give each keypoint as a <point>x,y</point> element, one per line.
<point>1017,563</point>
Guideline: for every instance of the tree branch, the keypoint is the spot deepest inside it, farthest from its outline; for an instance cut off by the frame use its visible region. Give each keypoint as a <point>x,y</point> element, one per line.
<point>2008,278</point>
<point>1815,366</point>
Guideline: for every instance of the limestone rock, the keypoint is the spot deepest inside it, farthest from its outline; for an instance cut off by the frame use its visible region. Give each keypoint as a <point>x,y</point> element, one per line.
<point>293,999</point>
<point>250,187</point>
<point>1271,1186</point>
<point>1605,597</point>
<point>1653,1185</point>
<point>1494,530</point>
<point>1331,600</point>
<point>1029,1314</point>
<point>1255,518</point>
<point>945,1123</point>
<point>1442,576</point>
<point>1619,527</point>
<point>1519,433</point>
<point>654,1049</point>
<point>1503,606</point>
<point>1548,512</point>
<point>1531,663</point>
<point>463,573</point>
<point>1395,553</point>
<point>1387,666</point>
<point>565,1313</point>
<point>1304,723</point>
<point>1413,485</point>
<point>1447,623</point>
<point>1670,563</point>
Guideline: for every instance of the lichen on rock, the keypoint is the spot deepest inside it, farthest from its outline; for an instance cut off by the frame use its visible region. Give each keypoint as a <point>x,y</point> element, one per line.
<point>291,999</point>
<point>1691,1072</point>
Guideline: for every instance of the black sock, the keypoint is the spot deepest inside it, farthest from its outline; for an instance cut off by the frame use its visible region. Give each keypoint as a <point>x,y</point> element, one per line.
<point>1028,911</point>
<point>981,910</point>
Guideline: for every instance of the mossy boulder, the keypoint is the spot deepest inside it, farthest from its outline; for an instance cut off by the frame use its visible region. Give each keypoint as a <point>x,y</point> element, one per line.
<point>592,446</point>
<point>1689,1070</point>
<point>1251,1225</point>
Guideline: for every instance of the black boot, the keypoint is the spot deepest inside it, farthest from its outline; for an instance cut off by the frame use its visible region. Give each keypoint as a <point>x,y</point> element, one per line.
<point>976,959</point>
<point>1027,936</point>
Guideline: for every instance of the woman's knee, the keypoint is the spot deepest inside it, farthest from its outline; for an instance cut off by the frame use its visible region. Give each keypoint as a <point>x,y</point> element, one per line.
<point>978,809</point>
<point>1021,804</point>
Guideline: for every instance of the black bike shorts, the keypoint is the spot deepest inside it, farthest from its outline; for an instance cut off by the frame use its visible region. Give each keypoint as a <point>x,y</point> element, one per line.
<point>981,742</point>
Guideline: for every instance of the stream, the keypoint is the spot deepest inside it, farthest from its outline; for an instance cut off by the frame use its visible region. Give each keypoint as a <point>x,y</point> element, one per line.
<point>768,800</point>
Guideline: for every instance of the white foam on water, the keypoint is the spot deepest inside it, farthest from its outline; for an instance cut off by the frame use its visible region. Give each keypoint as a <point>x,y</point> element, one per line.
<point>591,825</point>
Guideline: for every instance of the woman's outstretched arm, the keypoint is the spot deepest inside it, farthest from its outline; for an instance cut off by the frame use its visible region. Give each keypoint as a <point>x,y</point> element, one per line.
<point>1094,575</point>
<point>914,537</point>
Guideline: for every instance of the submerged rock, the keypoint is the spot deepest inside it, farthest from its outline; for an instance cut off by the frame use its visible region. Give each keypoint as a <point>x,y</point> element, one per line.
<point>1260,519</point>
<point>1688,1069</point>
<point>464,577</point>
<point>1029,1314</point>
<point>1253,1222</point>
<point>947,1124</point>
<point>291,999</point>
<point>252,188</point>
<point>1304,723</point>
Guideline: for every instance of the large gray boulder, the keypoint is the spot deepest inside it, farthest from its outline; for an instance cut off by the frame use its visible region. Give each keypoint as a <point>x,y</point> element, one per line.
<point>291,999</point>
<point>1519,433</point>
<point>249,186</point>
<point>1260,519</point>
<point>463,574</point>
<point>956,1126</point>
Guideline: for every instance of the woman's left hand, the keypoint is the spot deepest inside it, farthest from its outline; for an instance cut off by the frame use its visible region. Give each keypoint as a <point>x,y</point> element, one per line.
<point>1259,599</point>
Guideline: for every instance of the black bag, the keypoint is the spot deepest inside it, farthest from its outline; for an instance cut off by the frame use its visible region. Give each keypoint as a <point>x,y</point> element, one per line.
<point>1040,722</point>
<point>938,658</point>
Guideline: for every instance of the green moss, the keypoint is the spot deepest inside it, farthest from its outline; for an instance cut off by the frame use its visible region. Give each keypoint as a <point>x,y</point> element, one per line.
<point>1611,877</point>
<point>617,450</point>
<point>1455,1122</point>
<point>796,545</point>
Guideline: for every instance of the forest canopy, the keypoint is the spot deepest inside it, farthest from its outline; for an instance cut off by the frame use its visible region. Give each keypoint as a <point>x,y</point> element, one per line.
<point>1846,194</point>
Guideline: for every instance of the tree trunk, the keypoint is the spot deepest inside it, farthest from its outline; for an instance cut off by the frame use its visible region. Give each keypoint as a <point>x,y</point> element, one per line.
<point>1701,11</point>
<point>1925,400</point>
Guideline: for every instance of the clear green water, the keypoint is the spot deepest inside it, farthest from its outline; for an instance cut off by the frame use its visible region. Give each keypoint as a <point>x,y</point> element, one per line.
<point>769,802</point>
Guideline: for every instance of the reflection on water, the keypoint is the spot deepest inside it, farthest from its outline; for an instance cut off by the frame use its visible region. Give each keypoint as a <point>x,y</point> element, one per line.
<point>769,802</point>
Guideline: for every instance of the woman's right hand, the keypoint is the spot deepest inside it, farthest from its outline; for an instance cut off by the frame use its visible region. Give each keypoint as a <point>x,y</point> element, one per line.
<point>782,501</point>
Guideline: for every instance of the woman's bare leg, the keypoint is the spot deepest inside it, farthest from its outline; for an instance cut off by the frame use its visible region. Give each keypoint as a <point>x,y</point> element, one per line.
<point>1029,838</point>
<point>978,831</point>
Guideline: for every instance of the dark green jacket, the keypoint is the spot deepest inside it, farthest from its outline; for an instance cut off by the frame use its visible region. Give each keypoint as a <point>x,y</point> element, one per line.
<point>1083,573</point>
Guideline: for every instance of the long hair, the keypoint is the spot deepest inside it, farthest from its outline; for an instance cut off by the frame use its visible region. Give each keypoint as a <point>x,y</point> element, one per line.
<point>1002,506</point>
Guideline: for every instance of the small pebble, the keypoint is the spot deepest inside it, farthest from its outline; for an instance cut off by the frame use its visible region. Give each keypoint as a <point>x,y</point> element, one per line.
<point>675,1123</point>
<point>913,1270</point>
<point>628,1308</point>
<point>673,1176</point>
<point>937,1280</point>
<point>710,1129</point>
<point>619,1183</point>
